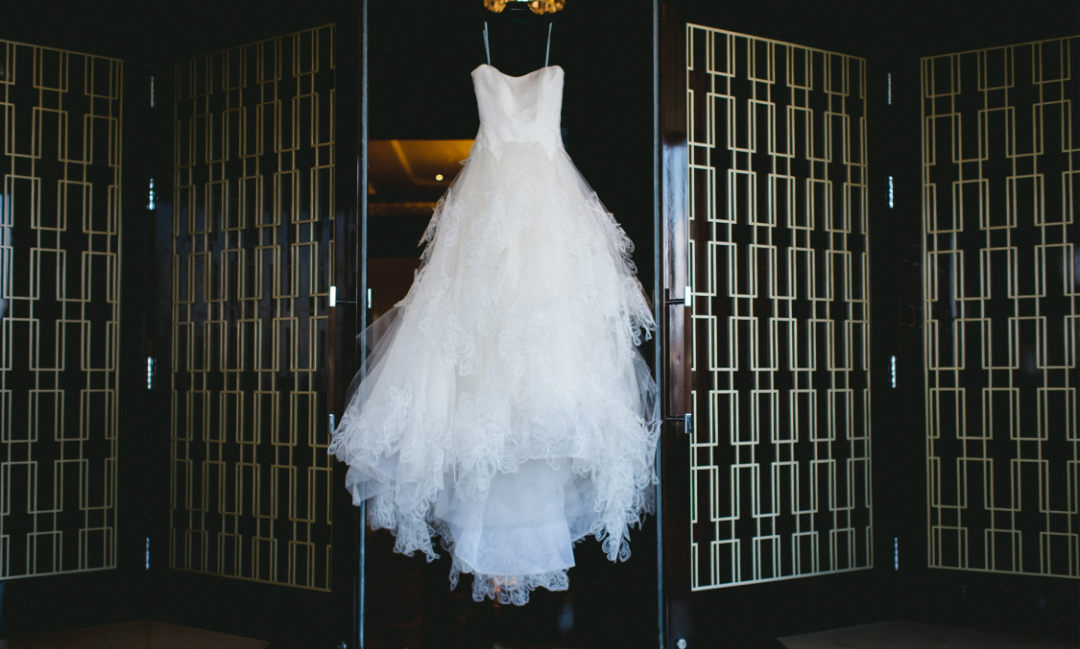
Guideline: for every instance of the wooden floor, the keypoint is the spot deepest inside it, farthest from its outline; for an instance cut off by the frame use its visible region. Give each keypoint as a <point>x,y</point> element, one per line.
<point>133,635</point>
<point>884,635</point>
<point>909,635</point>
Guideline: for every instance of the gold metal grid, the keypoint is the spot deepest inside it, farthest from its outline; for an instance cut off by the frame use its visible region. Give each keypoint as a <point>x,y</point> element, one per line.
<point>253,252</point>
<point>60,128</point>
<point>780,455</point>
<point>1001,174</point>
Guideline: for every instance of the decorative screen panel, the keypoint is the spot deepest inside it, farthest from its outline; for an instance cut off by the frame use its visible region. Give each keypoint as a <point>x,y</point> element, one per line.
<point>253,253</point>
<point>1001,177</point>
<point>780,455</point>
<point>60,123</point>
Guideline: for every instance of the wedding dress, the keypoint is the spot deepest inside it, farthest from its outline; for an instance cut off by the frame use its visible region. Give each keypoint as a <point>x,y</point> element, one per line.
<point>504,406</point>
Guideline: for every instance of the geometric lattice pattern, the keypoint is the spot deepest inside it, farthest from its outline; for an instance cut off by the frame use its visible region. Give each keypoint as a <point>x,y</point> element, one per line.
<point>253,237</point>
<point>780,455</point>
<point>59,309</point>
<point>1001,177</point>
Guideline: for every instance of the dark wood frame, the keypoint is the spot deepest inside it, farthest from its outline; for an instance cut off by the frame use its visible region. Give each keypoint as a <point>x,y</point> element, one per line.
<point>674,343</point>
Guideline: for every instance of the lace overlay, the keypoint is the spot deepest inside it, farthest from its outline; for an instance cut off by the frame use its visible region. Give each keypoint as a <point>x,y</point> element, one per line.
<point>505,407</point>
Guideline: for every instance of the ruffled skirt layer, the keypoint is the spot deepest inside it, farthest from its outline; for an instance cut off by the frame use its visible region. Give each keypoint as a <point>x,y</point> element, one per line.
<point>504,405</point>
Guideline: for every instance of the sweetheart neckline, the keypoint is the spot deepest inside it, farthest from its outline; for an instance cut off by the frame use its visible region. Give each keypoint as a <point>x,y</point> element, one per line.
<point>527,74</point>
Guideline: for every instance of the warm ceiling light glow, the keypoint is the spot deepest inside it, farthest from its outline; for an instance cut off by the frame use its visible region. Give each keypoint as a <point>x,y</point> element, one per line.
<point>438,176</point>
<point>536,6</point>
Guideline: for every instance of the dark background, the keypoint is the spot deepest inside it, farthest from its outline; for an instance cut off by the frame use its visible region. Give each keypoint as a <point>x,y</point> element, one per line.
<point>421,54</point>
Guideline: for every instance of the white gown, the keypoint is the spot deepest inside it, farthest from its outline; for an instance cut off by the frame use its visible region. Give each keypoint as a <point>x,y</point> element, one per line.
<point>505,406</point>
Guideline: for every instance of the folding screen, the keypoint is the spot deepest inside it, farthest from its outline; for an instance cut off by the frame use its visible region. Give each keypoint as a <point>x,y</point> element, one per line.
<point>60,128</point>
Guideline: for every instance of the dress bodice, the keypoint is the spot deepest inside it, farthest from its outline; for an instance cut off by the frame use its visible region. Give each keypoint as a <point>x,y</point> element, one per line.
<point>521,109</point>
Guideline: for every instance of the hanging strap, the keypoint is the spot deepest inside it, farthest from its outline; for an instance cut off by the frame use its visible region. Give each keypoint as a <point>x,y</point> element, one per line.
<point>547,55</point>
<point>487,46</point>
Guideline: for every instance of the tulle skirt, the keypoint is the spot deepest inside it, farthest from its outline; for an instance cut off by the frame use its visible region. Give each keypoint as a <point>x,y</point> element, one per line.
<point>504,406</point>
